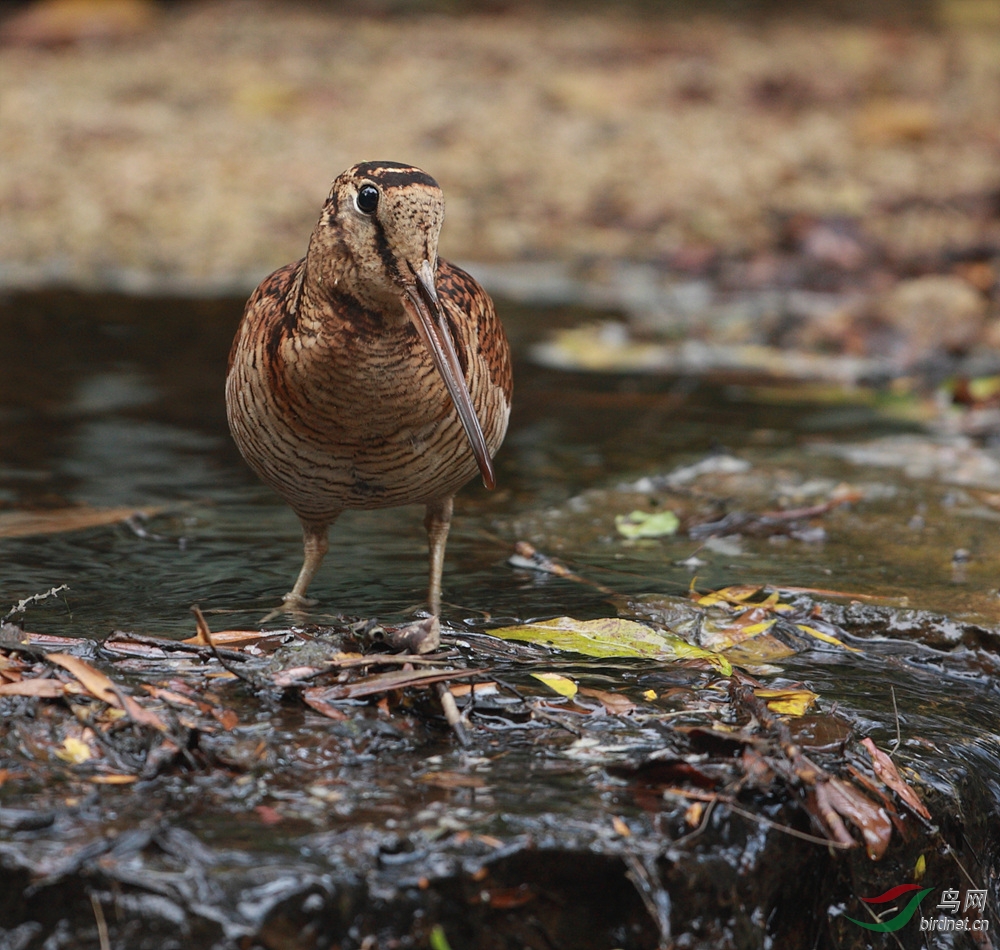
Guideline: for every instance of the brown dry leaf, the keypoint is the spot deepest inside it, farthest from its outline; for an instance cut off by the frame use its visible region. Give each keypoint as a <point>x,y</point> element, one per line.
<point>102,688</point>
<point>694,813</point>
<point>886,770</point>
<point>293,676</point>
<point>476,690</point>
<point>168,695</point>
<point>11,667</point>
<point>22,524</point>
<point>141,715</point>
<point>227,718</point>
<point>870,819</point>
<point>621,829</point>
<point>757,773</point>
<point>234,639</point>
<point>894,121</point>
<point>314,698</point>
<point>509,898</point>
<point>113,779</point>
<point>452,780</point>
<point>394,679</point>
<point>40,688</point>
<point>94,681</point>
<point>614,703</point>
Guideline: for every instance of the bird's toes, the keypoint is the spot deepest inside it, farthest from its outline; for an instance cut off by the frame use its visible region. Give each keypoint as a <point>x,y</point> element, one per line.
<point>293,604</point>
<point>297,602</point>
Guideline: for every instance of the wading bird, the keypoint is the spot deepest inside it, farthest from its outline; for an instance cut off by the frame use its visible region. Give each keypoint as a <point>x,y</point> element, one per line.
<point>370,373</point>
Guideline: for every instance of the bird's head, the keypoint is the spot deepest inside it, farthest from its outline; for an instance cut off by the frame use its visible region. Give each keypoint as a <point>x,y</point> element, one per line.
<point>380,226</point>
<point>385,218</point>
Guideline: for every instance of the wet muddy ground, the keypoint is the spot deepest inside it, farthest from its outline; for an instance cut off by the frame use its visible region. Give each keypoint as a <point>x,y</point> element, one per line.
<point>287,791</point>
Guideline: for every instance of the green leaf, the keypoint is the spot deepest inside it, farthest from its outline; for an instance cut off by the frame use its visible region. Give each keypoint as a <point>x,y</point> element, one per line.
<point>610,636</point>
<point>647,524</point>
<point>438,940</point>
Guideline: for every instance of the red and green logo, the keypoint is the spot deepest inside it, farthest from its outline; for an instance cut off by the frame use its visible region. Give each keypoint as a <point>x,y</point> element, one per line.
<point>903,917</point>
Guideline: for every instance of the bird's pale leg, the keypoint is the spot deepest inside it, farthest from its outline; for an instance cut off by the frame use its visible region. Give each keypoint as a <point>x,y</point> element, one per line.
<point>437,522</point>
<point>314,545</point>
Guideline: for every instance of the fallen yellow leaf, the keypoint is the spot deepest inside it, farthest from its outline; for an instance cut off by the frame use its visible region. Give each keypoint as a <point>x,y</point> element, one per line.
<point>825,637</point>
<point>75,751</point>
<point>563,685</point>
<point>787,702</point>
<point>611,636</point>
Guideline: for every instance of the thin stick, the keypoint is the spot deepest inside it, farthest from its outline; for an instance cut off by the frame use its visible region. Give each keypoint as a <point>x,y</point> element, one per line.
<point>205,633</point>
<point>102,924</point>
<point>22,605</point>
<point>452,714</point>
<point>760,819</point>
<point>895,711</point>
<point>639,875</point>
<point>794,832</point>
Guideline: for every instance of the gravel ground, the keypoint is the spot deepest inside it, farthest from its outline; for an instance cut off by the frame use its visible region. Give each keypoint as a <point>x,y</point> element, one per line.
<point>194,156</point>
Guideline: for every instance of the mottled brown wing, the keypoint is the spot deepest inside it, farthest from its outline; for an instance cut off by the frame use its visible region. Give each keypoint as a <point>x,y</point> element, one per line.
<point>475,327</point>
<point>270,312</point>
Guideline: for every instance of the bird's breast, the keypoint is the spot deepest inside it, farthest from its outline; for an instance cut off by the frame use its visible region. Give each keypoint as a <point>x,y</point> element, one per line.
<point>354,414</point>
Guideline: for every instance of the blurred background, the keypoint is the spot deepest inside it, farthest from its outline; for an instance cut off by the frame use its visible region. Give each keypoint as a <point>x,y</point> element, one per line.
<point>186,147</point>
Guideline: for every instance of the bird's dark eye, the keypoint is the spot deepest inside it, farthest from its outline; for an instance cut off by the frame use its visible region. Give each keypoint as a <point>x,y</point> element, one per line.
<point>367,199</point>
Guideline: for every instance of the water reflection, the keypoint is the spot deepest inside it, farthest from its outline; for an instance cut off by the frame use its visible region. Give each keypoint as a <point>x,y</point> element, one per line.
<point>117,401</point>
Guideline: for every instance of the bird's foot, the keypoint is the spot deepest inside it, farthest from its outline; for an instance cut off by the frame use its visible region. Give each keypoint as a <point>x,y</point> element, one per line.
<point>294,604</point>
<point>293,601</point>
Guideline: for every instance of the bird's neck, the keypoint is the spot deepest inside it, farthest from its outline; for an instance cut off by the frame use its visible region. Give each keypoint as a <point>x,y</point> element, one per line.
<point>333,288</point>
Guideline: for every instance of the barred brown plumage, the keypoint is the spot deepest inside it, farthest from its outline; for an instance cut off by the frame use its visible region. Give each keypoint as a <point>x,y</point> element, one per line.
<point>370,373</point>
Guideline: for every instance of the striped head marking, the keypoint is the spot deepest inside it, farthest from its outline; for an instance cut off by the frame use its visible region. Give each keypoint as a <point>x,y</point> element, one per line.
<point>386,217</point>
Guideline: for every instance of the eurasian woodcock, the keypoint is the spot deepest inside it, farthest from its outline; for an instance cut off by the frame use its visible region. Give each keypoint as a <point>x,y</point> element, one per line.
<point>370,373</point>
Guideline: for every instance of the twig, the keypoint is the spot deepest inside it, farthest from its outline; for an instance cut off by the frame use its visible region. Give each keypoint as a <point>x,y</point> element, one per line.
<point>878,919</point>
<point>526,557</point>
<point>171,646</point>
<point>895,711</point>
<point>702,825</point>
<point>760,819</point>
<point>794,832</point>
<point>655,897</point>
<point>102,924</point>
<point>205,633</point>
<point>22,605</point>
<point>452,714</point>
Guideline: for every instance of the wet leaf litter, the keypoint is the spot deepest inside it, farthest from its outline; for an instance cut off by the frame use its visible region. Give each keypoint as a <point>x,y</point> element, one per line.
<point>106,732</point>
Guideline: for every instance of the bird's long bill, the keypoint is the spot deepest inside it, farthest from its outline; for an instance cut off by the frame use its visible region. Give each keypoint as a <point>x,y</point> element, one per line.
<point>427,314</point>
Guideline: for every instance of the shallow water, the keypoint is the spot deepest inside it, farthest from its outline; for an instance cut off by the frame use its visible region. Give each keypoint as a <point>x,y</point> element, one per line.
<point>111,401</point>
<point>115,401</point>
